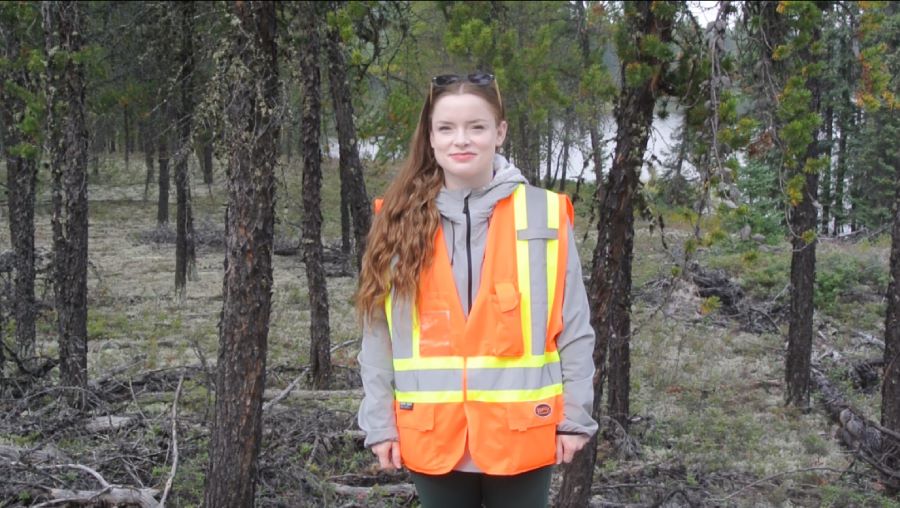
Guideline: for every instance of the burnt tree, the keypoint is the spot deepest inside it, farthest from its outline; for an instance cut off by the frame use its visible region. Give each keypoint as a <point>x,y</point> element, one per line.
<point>67,142</point>
<point>251,133</point>
<point>21,150</point>
<point>354,198</point>
<point>185,252</point>
<point>310,19</point>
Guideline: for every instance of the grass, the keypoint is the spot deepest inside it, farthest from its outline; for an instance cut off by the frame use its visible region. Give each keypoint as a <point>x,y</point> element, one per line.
<point>709,395</point>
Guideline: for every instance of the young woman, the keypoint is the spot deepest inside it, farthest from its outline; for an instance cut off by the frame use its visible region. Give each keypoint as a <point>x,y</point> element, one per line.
<point>476,356</point>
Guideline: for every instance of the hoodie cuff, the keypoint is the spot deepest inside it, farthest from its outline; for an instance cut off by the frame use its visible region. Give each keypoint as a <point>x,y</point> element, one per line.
<point>375,436</point>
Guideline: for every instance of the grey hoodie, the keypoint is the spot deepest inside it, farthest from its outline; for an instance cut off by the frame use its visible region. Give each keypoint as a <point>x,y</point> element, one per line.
<point>575,343</point>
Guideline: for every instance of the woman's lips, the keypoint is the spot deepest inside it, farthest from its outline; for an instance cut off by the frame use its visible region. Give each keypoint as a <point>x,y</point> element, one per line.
<point>462,157</point>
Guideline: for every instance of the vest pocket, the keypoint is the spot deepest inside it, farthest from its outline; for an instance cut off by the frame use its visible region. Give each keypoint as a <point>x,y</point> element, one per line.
<point>415,416</point>
<point>507,336</point>
<point>435,331</point>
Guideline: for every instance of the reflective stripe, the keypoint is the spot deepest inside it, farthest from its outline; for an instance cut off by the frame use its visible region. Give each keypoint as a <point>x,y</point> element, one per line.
<point>474,362</point>
<point>523,264</point>
<point>436,397</point>
<point>515,395</point>
<point>497,362</point>
<point>513,379</point>
<point>428,380</point>
<point>536,203</point>
<point>428,363</point>
<point>553,207</point>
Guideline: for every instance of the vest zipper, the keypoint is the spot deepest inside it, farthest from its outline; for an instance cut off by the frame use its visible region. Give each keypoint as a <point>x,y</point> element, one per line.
<point>468,249</point>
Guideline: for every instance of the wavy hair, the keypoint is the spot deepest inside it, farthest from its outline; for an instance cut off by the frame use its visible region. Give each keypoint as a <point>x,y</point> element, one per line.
<point>401,241</point>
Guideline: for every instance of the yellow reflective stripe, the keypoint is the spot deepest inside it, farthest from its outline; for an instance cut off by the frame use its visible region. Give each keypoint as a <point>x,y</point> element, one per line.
<point>474,362</point>
<point>429,363</point>
<point>388,311</point>
<point>416,330</point>
<point>436,397</point>
<point>552,252</point>
<point>523,267</point>
<point>515,395</point>
<point>497,362</point>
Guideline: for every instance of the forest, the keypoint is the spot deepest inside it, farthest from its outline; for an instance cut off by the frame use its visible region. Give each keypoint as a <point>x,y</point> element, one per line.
<point>188,190</point>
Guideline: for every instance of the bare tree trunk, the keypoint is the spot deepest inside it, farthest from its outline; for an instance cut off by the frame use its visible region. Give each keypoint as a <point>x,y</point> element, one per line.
<point>207,160</point>
<point>185,253</point>
<point>21,174</point>
<point>804,225</point>
<point>67,140</point>
<point>162,200</point>
<point>826,175</point>
<point>890,394</point>
<point>841,170</point>
<point>320,355</point>
<point>251,136</point>
<point>548,172</point>
<point>147,139</point>
<point>126,125</point>
<point>565,149</point>
<point>354,197</point>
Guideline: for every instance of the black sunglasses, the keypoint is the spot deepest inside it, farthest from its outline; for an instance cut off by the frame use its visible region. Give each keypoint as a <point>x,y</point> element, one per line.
<point>476,78</point>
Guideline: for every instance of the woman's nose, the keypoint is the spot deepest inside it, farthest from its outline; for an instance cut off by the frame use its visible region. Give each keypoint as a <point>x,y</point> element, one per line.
<point>460,137</point>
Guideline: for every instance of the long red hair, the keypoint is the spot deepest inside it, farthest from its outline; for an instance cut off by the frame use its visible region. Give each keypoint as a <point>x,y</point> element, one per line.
<point>400,242</point>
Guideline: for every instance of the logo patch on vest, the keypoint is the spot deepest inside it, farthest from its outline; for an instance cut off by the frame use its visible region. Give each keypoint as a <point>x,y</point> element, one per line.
<point>543,410</point>
<point>408,406</point>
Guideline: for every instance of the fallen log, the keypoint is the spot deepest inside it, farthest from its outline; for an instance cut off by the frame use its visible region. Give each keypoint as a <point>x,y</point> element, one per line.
<point>868,440</point>
<point>107,496</point>
<point>394,489</point>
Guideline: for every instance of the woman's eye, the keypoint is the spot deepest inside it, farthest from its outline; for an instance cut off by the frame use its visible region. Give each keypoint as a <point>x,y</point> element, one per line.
<point>478,127</point>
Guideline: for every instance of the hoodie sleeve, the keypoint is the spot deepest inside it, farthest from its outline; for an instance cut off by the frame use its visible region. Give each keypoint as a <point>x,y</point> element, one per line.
<point>376,411</point>
<point>576,347</point>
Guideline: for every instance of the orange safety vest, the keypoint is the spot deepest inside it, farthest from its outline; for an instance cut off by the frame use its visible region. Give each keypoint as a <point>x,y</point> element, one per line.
<point>493,379</point>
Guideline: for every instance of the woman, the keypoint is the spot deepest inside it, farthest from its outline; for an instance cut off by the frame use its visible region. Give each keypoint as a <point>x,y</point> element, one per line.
<point>477,349</point>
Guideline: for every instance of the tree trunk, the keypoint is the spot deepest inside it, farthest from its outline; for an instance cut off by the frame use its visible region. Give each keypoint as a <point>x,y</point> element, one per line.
<point>126,125</point>
<point>162,202</point>
<point>185,254</point>
<point>21,174</point>
<point>319,355</point>
<point>548,172</point>
<point>67,140</point>
<point>207,161</point>
<point>578,476</point>
<point>804,224</point>
<point>147,139</point>
<point>841,171</point>
<point>251,136</point>
<point>826,175</point>
<point>353,186</point>
<point>565,150</point>
<point>890,394</point>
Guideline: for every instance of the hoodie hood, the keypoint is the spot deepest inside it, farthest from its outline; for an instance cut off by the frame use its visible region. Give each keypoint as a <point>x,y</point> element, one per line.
<point>481,200</point>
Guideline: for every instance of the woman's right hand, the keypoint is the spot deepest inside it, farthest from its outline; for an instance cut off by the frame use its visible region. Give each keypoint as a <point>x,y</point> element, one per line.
<point>388,453</point>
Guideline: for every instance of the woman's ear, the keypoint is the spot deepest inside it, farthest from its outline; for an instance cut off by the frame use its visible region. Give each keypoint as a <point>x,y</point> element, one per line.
<point>501,133</point>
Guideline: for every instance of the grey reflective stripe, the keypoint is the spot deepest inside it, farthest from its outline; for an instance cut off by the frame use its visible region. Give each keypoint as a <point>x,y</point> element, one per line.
<point>428,380</point>
<point>401,327</point>
<point>536,203</point>
<point>515,378</point>
<point>536,234</point>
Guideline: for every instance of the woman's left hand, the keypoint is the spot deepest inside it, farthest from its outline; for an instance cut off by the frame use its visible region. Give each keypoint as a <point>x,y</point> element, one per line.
<point>567,445</point>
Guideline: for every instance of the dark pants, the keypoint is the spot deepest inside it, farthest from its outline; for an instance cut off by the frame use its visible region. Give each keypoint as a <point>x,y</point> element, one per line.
<point>457,489</point>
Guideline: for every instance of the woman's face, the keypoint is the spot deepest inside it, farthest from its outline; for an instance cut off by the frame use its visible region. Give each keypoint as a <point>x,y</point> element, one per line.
<point>464,136</point>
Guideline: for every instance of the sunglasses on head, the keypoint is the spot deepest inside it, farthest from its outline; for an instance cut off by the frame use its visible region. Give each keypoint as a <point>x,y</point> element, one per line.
<point>477,78</point>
